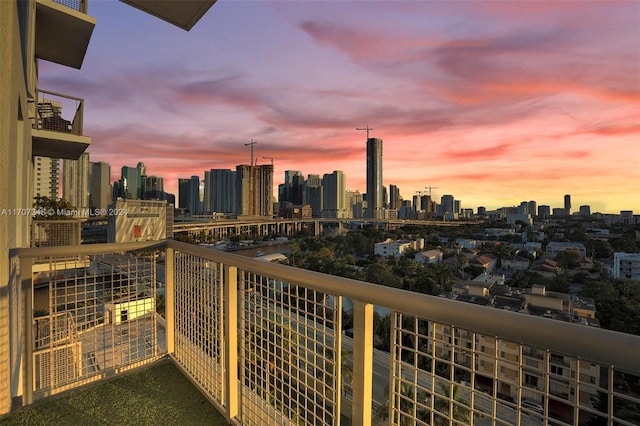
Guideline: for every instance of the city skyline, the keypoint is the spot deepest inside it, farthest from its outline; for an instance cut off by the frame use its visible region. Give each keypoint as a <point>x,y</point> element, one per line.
<point>494,103</point>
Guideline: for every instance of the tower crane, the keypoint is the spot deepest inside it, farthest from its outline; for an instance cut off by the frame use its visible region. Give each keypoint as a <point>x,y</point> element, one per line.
<point>365,128</point>
<point>251,144</point>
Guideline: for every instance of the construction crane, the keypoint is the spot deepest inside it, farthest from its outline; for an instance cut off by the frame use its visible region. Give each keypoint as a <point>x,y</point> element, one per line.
<point>251,144</point>
<point>269,158</point>
<point>365,128</point>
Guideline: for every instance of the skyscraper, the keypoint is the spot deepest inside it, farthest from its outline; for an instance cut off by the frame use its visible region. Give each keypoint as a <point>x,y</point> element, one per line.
<point>99,188</point>
<point>131,183</point>
<point>46,173</point>
<point>75,181</point>
<point>374,178</point>
<point>254,190</point>
<point>448,204</point>
<point>394,197</point>
<point>334,204</point>
<point>152,188</point>
<point>567,204</point>
<point>220,191</point>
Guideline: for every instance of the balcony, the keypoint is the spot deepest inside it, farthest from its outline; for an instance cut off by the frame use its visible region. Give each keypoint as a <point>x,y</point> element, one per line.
<point>48,233</point>
<point>57,129</point>
<point>263,342</point>
<point>184,14</point>
<point>63,31</point>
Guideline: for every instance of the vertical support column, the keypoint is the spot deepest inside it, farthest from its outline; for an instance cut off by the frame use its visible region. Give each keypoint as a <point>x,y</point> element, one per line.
<point>169,298</point>
<point>230,285</point>
<point>362,362</point>
<point>26,272</point>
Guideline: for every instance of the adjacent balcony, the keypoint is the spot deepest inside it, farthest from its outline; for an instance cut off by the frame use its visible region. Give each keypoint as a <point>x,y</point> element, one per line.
<point>264,342</point>
<point>63,31</point>
<point>184,14</point>
<point>57,126</point>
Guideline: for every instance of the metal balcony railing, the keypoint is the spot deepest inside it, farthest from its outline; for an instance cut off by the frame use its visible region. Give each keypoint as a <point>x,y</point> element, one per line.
<point>79,5</point>
<point>59,113</point>
<point>47,233</point>
<point>264,343</point>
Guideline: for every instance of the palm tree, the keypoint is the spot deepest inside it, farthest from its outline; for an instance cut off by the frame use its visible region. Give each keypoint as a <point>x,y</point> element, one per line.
<point>406,402</point>
<point>444,404</point>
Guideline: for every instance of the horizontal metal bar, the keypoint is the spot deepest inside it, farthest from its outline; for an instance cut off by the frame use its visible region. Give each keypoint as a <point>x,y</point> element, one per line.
<point>593,344</point>
<point>61,95</point>
<point>85,249</point>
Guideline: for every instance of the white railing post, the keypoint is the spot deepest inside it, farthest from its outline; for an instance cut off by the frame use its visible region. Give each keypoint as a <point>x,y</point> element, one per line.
<point>26,266</point>
<point>362,363</point>
<point>230,288</point>
<point>169,298</point>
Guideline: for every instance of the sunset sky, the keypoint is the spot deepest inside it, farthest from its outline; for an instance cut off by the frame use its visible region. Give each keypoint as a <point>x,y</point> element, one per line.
<point>493,102</point>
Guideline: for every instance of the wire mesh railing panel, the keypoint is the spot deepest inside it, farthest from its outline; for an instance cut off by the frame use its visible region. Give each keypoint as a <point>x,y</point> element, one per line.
<point>93,314</point>
<point>445,375</point>
<point>289,351</point>
<point>48,233</point>
<point>199,345</point>
<point>79,5</point>
<point>58,113</point>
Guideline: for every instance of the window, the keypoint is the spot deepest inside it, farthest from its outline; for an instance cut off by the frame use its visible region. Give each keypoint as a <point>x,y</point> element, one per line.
<point>531,381</point>
<point>556,370</point>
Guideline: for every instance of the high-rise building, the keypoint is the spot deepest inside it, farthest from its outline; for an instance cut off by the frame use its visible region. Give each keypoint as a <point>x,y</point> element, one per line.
<point>131,183</point>
<point>313,194</point>
<point>75,181</point>
<point>254,190</point>
<point>585,210</point>
<point>374,196</point>
<point>99,188</point>
<point>220,191</point>
<point>184,193</point>
<point>532,208</point>
<point>544,211</point>
<point>447,204</point>
<point>46,177</point>
<point>354,204</point>
<point>567,204</point>
<point>394,197</point>
<point>334,203</point>
<point>152,188</point>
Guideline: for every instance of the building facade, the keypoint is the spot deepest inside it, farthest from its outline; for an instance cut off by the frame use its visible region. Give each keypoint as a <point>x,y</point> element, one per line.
<point>334,202</point>
<point>374,198</point>
<point>46,177</point>
<point>254,190</point>
<point>99,188</point>
<point>626,266</point>
<point>75,181</point>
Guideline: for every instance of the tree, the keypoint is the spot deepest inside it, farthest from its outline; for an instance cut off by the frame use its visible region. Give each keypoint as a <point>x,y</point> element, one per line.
<point>446,405</point>
<point>52,208</point>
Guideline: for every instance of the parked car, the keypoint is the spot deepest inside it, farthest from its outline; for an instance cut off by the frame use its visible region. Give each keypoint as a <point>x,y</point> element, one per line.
<point>533,406</point>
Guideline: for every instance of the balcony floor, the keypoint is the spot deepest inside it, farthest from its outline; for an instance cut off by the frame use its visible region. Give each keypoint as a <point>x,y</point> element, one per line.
<point>159,394</point>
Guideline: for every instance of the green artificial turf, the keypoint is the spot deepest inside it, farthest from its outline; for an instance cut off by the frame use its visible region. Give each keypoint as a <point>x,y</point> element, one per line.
<point>158,395</point>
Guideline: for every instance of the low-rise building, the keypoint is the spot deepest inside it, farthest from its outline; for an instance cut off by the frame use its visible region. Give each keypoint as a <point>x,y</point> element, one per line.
<point>555,247</point>
<point>429,256</point>
<point>516,263</point>
<point>626,266</point>
<point>396,248</point>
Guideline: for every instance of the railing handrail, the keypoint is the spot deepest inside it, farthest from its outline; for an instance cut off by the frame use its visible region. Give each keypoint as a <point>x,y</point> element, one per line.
<point>566,338</point>
<point>84,249</point>
<point>593,344</point>
<point>48,92</point>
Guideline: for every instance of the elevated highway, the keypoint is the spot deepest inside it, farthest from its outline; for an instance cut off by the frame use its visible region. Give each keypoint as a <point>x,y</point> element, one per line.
<point>223,229</point>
